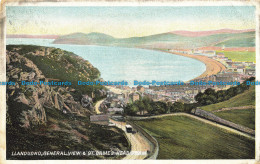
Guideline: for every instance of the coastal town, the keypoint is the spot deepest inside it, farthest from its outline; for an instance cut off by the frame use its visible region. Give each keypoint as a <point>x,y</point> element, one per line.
<point>227,71</point>
<point>130,81</point>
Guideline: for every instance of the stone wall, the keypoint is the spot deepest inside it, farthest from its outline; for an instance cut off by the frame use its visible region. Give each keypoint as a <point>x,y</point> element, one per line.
<point>210,116</point>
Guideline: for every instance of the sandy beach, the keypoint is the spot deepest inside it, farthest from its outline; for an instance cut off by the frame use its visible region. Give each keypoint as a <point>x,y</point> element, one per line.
<point>212,66</point>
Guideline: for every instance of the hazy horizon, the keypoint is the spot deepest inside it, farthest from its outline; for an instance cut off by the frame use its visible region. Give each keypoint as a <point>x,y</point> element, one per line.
<point>124,22</point>
<point>144,36</point>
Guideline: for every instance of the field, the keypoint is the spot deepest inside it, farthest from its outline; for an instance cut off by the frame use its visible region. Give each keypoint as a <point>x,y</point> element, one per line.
<point>240,56</point>
<point>243,99</point>
<point>181,137</point>
<point>245,117</point>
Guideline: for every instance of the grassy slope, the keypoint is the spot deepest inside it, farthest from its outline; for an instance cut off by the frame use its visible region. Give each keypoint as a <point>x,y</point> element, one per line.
<point>238,42</point>
<point>91,38</point>
<point>243,99</point>
<point>245,117</point>
<point>240,56</point>
<point>168,38</point>
<point>181,137</point>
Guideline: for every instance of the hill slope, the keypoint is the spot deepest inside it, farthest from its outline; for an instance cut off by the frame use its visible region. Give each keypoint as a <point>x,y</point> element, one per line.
<point>244,99</point>
<point>165,40</point>
<point>62,65</point>
<point>81,38</point>
<point>244,116</point>
<point>182,137</point>
<point>49,117</point>
<point>212,32</point>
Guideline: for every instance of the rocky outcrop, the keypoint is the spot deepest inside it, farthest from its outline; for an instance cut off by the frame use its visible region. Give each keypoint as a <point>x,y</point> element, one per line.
<point>87,102</point>
<point>37,97</point>
<point>47,117</point>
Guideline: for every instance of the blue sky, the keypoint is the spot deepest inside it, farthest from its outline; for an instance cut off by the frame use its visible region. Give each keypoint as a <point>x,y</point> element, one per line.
<point>126,21</point>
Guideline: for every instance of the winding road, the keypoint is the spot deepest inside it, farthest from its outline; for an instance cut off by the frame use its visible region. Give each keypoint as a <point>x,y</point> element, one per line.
<point>139,143</point>
<point>97,106</point>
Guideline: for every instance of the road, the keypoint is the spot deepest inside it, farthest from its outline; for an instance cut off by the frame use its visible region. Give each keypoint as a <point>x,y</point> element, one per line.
<point>138,142</point>
<point>97,106</point>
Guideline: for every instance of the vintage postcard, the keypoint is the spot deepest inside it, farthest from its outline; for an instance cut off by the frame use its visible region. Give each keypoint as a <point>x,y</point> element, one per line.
<point>130,81</point>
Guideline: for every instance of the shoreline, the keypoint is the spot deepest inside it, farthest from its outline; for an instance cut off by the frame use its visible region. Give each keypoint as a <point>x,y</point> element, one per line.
<point>212,66</point>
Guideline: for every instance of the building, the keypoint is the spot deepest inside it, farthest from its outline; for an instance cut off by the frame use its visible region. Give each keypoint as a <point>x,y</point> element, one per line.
<point>240,69</point>
<point>100,119</point>
<point>220,55</point>
<point>134,97</point>
<point>140,88</point>
<point>250,72</point>
<point>209,53</point>
<point>120,97</point>
<point>185,51</point>
<point>115,110</point>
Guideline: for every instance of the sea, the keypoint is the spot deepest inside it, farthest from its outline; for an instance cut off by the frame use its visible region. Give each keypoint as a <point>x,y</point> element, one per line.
<point>128,64</point>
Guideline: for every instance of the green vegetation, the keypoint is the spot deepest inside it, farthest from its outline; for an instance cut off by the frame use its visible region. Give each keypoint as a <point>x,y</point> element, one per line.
<point>150,107</point>
<point>64,66</point>
<point>238,42</point>
<point>245,117</point>
<point>245,39</point>
<point>61,130</point>
<point>210,96</point>
<point>23,49</point>
<point>146,105</point>
<point>243,99</point>
<point>231,97</point>
<point>240,56</point>
<point>91,38</point>
<point>181,137</point>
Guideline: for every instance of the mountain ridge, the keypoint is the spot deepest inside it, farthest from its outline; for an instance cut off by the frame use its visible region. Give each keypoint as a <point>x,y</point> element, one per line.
<point>164,40</point>
<point>177,32</point>
<point>209,32</point>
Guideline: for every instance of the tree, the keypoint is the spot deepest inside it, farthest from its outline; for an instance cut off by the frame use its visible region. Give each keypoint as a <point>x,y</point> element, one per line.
<point>131,109</point>
<point>231,92</point>
<point>134,109</point>
<point>198,97</point>
<point>149,108</point>
<point>141,106</point>
<point>210,91</point>
<point>178,107</point>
